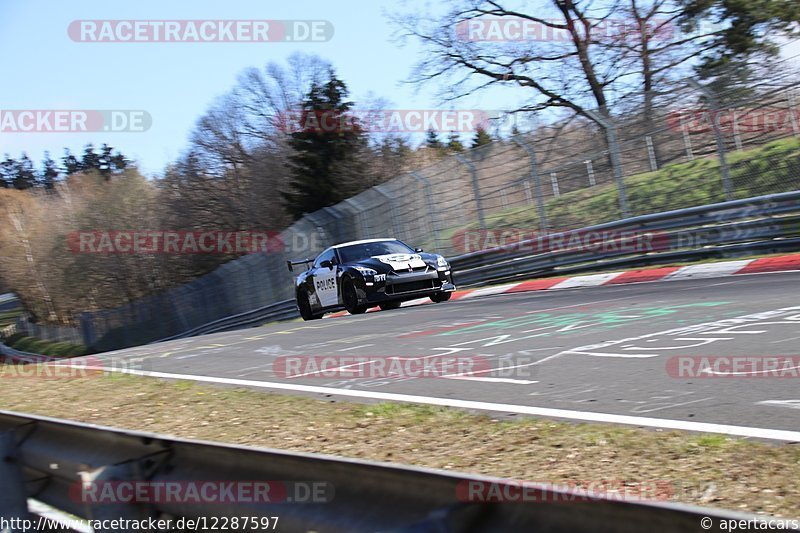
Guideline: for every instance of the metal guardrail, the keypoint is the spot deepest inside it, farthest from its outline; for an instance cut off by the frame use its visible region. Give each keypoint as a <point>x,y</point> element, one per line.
<point>10,354</point>
<point>753,225</point>
<point>283,310</point>
<point>52,461</point>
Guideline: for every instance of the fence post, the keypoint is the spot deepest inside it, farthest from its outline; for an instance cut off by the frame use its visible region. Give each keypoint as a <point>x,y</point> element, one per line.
<point>737,138</point>
<point>590,171</point>
<point>554,183</point>
<point>13,496</point>
<point>723,161</point>
<point>651,153</point>
<point>336,216</point>
<point>616,164</point>
<point>321,231</point>
<point>687,140</point>
<point>792,98</point>
<point>537,181</point>
<point>362,216</point>
<point>392,201</point>
<point>476,191</point>
<point>428,193</point>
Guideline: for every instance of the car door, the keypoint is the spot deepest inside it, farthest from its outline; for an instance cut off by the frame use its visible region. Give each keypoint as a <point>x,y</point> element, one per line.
<point>326,283</point>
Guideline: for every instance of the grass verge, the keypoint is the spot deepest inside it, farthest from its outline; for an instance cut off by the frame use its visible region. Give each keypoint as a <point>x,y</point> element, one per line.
<point>707,470</point>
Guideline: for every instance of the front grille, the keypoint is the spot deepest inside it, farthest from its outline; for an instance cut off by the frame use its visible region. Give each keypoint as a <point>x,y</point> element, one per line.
<point>410,286</point>
<point>415,270</point>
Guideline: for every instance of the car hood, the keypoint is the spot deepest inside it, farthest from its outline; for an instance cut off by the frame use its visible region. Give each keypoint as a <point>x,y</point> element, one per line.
<point>396,262</point>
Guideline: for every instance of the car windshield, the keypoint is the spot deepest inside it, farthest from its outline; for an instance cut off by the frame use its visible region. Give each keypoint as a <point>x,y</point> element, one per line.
<point>357,252</point>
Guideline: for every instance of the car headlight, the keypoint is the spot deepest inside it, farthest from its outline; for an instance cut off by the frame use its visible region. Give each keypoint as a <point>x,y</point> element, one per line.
<point>368,272</point>
<point>441,263</point>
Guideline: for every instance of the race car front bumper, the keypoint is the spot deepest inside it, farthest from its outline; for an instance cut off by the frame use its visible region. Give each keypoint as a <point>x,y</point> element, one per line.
<point>407,286</point>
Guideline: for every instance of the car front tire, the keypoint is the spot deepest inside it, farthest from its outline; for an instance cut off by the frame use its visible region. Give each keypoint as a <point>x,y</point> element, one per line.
<point>441,297</point>
<point>388,306</point>
<point>305,307</point>
<point>350,298</point>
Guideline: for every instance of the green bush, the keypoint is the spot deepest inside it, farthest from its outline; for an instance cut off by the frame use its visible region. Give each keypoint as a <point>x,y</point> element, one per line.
<point>41,347</point>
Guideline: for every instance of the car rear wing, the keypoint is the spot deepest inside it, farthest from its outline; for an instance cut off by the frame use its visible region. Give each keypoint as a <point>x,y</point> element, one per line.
<point>291,264</point>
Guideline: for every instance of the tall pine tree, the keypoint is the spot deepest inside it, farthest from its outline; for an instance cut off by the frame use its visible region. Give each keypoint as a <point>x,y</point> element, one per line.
<point>49,173</point>
<point>24,173</point>
<point>325,159</point>
<point>481,138</point>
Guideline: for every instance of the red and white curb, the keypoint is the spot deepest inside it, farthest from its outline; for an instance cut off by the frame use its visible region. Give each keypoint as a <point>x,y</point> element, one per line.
<point>706,270</point>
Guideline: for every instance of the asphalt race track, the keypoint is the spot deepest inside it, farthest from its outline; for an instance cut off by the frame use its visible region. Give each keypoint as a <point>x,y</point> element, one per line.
<point>606,353</point>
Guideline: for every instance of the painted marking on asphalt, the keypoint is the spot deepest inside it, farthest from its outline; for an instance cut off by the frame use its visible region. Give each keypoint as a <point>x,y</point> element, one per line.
<point>791,404</point>
<point>493,380</point>
<point>586,416</point>
<point>784,340</point>
<point>190,356</point>
<point>355,347</point>
<point>727,325</point>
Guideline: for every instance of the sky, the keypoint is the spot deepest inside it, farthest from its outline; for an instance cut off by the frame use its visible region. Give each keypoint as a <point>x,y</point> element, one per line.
<point>44,69</point>
<point>176,82</point>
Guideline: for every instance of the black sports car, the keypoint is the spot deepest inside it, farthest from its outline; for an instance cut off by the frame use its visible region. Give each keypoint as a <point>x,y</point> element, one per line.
<point>362,274</point>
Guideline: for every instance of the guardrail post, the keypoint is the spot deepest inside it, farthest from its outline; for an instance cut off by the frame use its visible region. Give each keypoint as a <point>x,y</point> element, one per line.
<point>616,164</point>
<point>92,484</point>
<point>87,329</point>
<point>13,497</point>
<point>476,191</point>
<point>723,161</point>
<point>537,181</point>
<point>392,201</point>
<point>426,184</point>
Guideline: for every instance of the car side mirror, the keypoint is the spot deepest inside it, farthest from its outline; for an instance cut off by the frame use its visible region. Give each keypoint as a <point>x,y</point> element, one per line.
<point>326,264</point>
<point>418,250</point>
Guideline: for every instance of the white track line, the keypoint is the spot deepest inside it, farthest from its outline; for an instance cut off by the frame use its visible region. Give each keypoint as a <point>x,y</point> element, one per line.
<point>740,431</point>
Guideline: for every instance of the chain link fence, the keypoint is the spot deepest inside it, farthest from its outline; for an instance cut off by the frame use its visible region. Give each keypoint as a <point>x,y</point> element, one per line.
<point>692,148</point>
